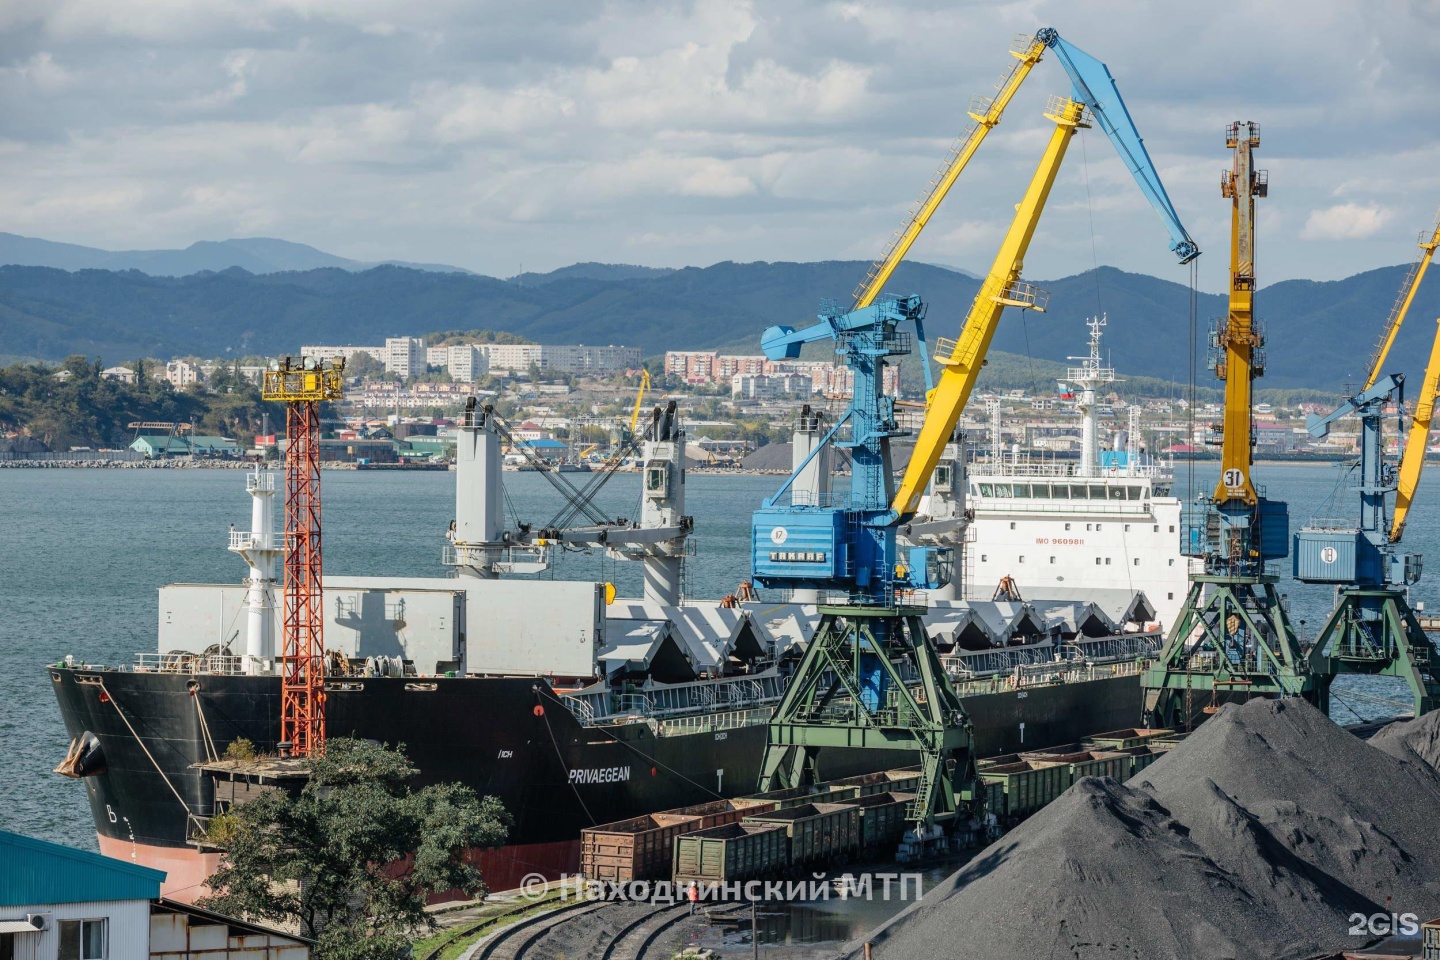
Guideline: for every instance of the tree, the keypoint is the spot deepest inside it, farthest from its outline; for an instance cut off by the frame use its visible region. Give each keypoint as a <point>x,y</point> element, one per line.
<point>364,366</point>
<point>352,857</point>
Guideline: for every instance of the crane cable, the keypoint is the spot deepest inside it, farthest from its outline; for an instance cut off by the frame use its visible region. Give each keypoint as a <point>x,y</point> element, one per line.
<point>1190,407</point>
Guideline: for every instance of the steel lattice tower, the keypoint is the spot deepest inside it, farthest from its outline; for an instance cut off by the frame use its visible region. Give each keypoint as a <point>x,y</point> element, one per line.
<point>302,705</point>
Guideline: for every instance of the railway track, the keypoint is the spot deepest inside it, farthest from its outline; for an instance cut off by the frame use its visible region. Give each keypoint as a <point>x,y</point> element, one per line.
<point>607,930</point>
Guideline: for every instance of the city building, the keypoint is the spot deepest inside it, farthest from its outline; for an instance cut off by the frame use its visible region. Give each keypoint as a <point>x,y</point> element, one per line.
<point>317,353</point>
<point>548,449</point>
<point>548,358</point>
<point>760,386</point>
<point>123,374</point>
<point>404,356</point>
<point>59,903</point>
<point>181,373</point>
<point>728,365</point>
<point>158,445</point>
<point>466,363</point>
<point>692,366</point>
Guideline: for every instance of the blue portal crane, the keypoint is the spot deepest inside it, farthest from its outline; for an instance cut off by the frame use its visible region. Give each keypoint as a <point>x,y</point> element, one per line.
<point>1373,629</point>
<point>849,689</point>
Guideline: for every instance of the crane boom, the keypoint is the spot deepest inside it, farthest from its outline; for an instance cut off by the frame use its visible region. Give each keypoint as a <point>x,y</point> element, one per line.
<point>986,114</point>
<point>1412,462</point>
<point>1406,297</point>
<point>963,359</point>
<point>1091,85</point>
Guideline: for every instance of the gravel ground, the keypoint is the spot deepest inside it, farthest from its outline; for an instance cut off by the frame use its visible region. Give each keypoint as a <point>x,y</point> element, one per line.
<point>584,938</point>
<point>1256,838</point>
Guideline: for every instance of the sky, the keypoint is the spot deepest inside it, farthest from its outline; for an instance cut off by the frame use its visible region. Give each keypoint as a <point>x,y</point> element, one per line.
<point>510,136</point>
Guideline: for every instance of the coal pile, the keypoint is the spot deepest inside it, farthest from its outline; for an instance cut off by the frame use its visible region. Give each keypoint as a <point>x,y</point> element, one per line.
<point>1258,837</point>
<point>1413,740</point>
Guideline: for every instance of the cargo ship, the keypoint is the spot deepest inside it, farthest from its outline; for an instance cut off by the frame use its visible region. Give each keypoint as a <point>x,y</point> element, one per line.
<point>571,706</point>
<point>1081,529</point>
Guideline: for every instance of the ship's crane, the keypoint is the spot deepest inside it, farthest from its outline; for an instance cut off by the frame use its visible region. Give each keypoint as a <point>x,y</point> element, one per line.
<point>1233,638</point>
<point>1372,629</point>
<point>1093,86</point>
<point>848,689</point>
<point>302,387</point>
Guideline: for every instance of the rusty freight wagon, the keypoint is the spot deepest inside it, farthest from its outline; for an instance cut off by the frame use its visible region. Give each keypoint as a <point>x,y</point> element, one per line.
<point>732,852</point>
<point>641,848</point>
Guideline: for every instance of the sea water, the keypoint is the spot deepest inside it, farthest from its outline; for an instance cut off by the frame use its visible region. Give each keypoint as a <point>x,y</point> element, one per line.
<point>82,553</point>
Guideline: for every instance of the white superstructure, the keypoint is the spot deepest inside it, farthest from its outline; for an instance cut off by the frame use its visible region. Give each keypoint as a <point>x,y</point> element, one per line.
<point>1106,522</point>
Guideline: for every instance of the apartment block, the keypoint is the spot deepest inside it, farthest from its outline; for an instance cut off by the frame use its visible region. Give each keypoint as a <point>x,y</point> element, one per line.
<point>561,359</point>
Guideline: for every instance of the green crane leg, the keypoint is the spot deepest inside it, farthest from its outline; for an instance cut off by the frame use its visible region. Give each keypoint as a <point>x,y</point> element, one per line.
<point>831,703</point>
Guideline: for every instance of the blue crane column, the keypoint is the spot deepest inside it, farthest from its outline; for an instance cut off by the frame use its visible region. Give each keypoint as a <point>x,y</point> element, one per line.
<point>1372,629</point>
<point>855,687</point>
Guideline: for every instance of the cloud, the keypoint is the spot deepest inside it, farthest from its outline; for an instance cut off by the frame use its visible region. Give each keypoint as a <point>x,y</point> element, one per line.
<point>1346,221</point>
<point>483,133</point>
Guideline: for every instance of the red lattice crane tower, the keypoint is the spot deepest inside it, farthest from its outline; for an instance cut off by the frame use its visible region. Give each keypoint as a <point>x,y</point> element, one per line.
<point>302,388</point>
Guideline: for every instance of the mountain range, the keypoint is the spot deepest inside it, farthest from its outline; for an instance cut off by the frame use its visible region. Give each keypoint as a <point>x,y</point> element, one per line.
<point>253,254</point>
<point>1320,333</point>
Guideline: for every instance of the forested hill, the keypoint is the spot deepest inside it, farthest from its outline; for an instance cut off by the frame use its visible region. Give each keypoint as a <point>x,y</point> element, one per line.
<point>1319,333</point>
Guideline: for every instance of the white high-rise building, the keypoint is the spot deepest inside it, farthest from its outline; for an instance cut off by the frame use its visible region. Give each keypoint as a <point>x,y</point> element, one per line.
<point>404,356</point>
<point>466,363</point>
<point>561,359</point>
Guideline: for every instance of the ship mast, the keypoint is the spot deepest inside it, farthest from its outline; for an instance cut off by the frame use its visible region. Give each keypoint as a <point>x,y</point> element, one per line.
<point>259,548</point>
<point>1092,371</point>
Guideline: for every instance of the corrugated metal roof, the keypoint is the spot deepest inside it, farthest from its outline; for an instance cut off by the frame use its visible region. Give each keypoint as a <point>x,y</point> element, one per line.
<point>35,871</point>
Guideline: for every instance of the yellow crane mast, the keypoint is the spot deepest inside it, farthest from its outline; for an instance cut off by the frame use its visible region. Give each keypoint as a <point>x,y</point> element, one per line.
<point>1240,360</point>
<point>1428,243</point>
<point>962,359</point>
<point>985,112</point>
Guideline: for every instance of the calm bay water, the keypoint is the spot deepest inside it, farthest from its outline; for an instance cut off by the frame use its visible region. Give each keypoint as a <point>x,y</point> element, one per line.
<point>82,553</point>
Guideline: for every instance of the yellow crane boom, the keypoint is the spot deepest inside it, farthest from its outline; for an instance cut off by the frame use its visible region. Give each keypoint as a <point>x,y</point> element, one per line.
<point>639,399</point>
<point>961,360</point>
<point>1428,243</point>
<point>986,113</point>
<point>1412,462</point>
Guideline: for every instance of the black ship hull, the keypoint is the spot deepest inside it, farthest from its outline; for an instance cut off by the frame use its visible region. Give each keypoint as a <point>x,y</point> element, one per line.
<point>511,738</point>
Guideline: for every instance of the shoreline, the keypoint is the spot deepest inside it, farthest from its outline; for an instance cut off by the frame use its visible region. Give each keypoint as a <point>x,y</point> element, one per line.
<point>183,463</point>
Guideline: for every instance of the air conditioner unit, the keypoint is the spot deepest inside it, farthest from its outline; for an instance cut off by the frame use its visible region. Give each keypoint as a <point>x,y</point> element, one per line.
<point>40,921</point>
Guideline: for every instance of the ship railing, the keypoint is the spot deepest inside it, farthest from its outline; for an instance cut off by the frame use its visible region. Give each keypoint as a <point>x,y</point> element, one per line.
<point>189,663</point>
<point>673,700</point>
<point>702,723</point>
<point>1332,524</point>
<point>634,704</point>
<point>1125,646</point>
<point>972,664</point>
<point>580,708</point>
<point>1062,671</point>
<point>250,540</point>
<point>990,472</point>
